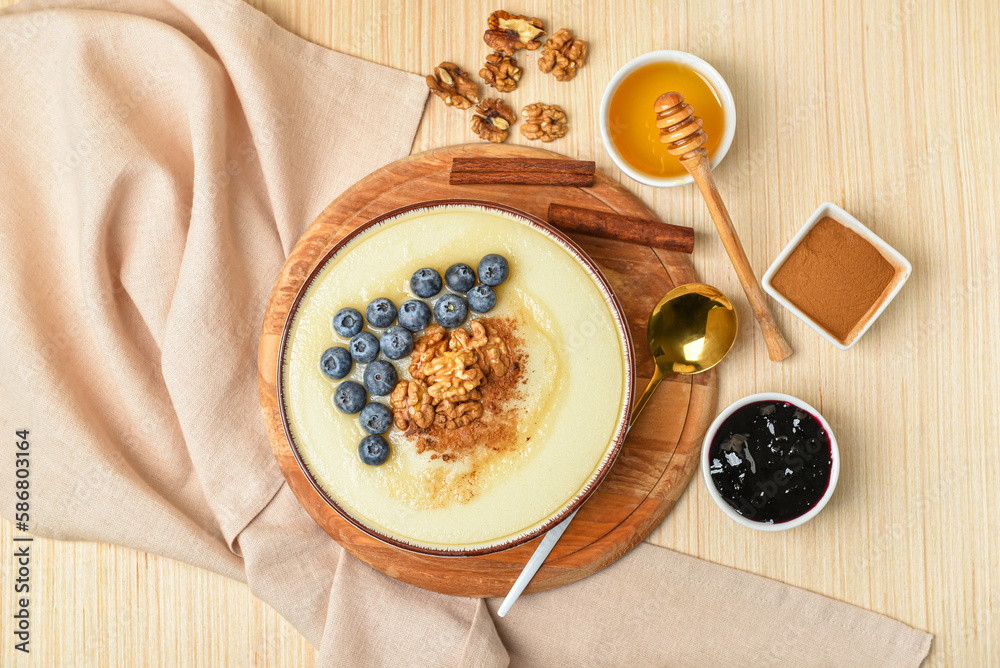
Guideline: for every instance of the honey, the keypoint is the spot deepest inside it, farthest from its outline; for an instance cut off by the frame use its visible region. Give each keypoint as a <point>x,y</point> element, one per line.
<point>632,123</point>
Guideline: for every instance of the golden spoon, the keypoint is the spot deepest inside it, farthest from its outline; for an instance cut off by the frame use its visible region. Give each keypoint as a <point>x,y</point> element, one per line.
<point>681,131</point>
<point>689,331</point>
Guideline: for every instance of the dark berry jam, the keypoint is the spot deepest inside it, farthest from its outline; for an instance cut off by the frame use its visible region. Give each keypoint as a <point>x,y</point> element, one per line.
<point>771,461</point>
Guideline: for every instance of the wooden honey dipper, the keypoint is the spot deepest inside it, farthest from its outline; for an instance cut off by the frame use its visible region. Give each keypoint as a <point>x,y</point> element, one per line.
<point>681,131</point>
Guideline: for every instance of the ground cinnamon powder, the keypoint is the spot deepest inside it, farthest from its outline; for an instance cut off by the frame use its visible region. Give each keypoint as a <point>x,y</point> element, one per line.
<point>494,432</point>
<point>834,276</point>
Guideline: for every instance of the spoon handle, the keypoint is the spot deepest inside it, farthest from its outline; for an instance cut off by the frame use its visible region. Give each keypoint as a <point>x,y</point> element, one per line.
<point>534,563</point>
<point>552,537</point>
<point>682,132</point>
<point>777,347</point>
<point>646,394</point>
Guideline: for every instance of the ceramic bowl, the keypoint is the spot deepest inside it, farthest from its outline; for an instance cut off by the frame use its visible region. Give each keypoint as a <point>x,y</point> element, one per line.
<point>702,68</point>
<point>717,496</point>
<point>621,427</point>
<point>899,263</point>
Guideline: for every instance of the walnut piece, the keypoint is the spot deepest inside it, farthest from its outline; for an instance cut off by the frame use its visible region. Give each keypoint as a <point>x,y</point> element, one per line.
<point>509,32</point>
<point>447,368</point>
<point>501,72</point>
<point>453,85</point>
<point>543,121</point>
<point>410,401</point>
<point>455,416</point>
<point>491,350</point>
<point>563,55</point>
<point>492,120</point>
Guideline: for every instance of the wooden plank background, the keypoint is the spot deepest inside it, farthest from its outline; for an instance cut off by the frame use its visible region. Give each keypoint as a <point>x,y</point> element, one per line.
<point>889,109</point>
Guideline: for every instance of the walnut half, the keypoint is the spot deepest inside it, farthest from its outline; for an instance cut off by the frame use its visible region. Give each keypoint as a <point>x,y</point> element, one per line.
<point>509,32</point>
<point>455,416</point>
<point>492,120</point>
<point>447,370</point>
<point>563,55</point>
<point>543,121</point>
<point>501,72</point>
<point>453,85</point>
<point>410,401</point>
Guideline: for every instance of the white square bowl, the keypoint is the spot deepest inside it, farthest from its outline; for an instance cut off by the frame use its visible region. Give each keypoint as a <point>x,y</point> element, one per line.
<point>899,263</point>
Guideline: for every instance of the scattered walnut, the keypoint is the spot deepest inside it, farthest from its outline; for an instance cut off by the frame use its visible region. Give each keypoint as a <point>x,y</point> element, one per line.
<point>563,55</point>
<point>501,72</point>
<point>508,32</point>
<point>453,85</point>
<point>447,369</point>
<point>492,120</point>
<point>543,121</point>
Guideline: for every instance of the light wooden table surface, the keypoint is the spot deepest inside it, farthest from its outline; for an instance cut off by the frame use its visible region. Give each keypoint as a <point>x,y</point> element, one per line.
<point>889,109</point>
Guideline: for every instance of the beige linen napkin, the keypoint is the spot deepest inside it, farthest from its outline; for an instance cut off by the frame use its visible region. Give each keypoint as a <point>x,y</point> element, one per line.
<point>158,160</point>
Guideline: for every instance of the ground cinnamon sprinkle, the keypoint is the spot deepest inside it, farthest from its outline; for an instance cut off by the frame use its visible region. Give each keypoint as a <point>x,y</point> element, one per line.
<point>494,432</point>
<point>834,276</point>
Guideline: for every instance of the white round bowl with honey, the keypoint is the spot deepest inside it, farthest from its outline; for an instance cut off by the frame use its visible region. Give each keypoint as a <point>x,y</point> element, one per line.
<point>628,123</point>
<point>549,427</point>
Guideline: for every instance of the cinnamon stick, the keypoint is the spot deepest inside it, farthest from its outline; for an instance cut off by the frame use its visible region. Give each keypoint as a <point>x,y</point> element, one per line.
<point>623,228</point>
<point>521,179</point>
<point>522,165</point>
<point>522,171</point>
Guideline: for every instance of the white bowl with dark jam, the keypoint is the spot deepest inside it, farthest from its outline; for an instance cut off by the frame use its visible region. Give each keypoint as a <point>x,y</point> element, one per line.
<point>770,461</point>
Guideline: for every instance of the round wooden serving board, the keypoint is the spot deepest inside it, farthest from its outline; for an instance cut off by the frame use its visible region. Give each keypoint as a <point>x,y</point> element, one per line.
<point>661,452</point>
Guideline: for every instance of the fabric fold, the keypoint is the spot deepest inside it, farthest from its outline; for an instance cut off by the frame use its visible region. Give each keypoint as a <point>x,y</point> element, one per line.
<point>657,607</point>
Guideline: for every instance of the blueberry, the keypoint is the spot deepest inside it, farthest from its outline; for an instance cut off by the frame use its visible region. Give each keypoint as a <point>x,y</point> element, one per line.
<point>450,311</point>
<point>415,315</point>
<point>397,343</point>
<point>493,270</point>
<point>348,322</point>
<point>482,298</point>
<point>376,418</point>
<point>349,397</point>
<point>364,347</point>
<point>380,377</point>
<point>335,362</point>
<point>460,277</point>
<point>381,312</point>
<point>425,282</point>
<point>374,450</point>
